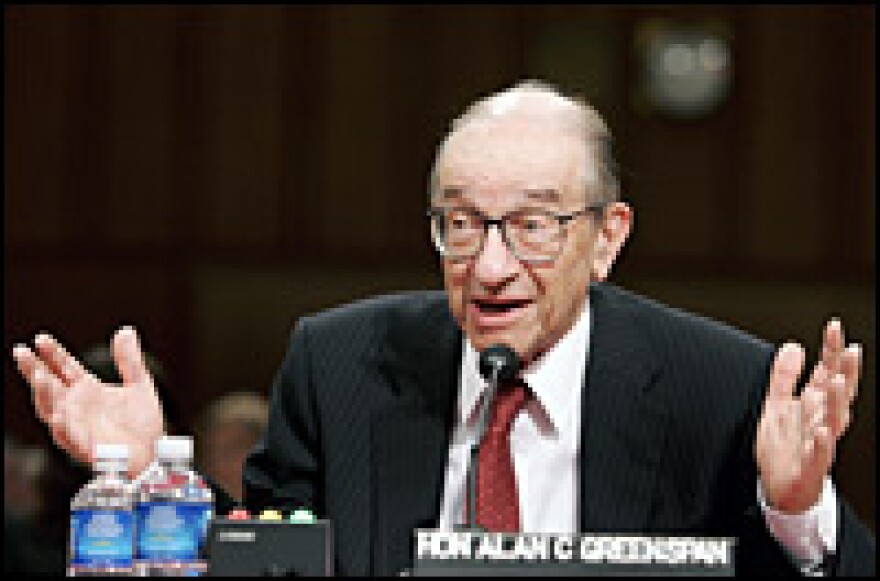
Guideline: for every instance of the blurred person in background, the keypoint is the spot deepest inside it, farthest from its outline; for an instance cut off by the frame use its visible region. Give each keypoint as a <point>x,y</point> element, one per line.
<point>24,467</point>
<point>226,432</point>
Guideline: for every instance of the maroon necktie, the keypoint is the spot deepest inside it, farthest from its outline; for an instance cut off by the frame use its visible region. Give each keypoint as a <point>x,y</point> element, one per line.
<point>497,502</point>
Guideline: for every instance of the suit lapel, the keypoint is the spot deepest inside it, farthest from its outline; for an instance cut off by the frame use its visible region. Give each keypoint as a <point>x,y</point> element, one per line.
<point>624,421</point>
<point>410,436</point>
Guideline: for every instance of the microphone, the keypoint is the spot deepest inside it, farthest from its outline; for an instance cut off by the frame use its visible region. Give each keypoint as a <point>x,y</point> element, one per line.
<point>497,363</point>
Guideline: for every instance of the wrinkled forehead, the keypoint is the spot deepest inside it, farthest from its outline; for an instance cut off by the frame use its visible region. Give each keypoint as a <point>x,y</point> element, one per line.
<point>497,156</point>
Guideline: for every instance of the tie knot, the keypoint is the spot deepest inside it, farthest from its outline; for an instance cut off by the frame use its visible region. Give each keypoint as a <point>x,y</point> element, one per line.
<point>509,401</point>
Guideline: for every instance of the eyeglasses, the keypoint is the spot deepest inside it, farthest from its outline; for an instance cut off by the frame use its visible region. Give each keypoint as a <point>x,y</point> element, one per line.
<point>531,235</point>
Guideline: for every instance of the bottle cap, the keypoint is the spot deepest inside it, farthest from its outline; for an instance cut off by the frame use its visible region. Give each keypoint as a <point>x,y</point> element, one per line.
<point>111,457</point>
<point>302,516</point>
<point>111,452</point>
<point>175,447</point>
<point>271,515</point>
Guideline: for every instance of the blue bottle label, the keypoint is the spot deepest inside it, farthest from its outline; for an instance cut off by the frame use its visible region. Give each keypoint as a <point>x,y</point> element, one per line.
<point>101,538</point>
<point>169,531</point>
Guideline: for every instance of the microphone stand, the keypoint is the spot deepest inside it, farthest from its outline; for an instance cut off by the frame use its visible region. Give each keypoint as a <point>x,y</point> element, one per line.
<point>482,424</point>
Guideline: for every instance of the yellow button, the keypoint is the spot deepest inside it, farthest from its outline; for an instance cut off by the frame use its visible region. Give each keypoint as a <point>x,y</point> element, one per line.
<point>271,515</point>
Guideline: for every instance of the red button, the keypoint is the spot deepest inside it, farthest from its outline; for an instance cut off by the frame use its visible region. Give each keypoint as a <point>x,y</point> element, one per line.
<point>238,514</point>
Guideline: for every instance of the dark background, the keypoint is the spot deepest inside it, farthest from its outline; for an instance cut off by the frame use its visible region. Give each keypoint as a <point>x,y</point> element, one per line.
<point>209,174</point>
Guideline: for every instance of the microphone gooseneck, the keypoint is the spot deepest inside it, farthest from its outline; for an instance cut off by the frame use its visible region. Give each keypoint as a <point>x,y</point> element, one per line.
<point>498,363</point>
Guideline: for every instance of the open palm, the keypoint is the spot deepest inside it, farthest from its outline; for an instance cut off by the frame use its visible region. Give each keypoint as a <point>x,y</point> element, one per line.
<point>797,434</point>
<point>81,411</point>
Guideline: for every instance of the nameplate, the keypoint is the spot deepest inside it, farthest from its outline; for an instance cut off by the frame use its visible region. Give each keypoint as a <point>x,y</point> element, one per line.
<point>477,553</point>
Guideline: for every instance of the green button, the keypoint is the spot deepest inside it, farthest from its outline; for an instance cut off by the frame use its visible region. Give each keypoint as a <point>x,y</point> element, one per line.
<point>302,516</point>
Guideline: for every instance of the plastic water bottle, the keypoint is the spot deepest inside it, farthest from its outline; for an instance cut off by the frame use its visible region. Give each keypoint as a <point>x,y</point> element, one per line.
<point>102,518</point>
<point>172,508</point>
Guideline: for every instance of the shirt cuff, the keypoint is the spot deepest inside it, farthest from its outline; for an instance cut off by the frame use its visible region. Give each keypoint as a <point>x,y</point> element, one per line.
<point>808,536</point>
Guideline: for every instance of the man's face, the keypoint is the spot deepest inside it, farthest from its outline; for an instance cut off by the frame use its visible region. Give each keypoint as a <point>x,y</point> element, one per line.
<point>502,166</point>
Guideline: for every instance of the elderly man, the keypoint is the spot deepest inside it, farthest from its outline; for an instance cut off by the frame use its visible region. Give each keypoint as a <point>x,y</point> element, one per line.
<point>628,415</point>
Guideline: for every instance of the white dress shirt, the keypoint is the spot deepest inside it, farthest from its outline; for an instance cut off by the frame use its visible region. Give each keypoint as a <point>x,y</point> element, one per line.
<point>545,445</point>
<point>544,438</point>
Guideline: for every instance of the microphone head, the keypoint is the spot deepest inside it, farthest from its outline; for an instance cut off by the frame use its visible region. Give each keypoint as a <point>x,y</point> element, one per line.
<point>500,361</point>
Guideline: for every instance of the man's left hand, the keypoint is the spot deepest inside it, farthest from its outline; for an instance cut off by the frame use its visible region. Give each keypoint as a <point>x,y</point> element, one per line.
<point>797,434</point>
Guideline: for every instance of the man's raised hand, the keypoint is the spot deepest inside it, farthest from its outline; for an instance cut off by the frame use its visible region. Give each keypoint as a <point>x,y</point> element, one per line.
<point>81,411</point>
<point>797,434</point>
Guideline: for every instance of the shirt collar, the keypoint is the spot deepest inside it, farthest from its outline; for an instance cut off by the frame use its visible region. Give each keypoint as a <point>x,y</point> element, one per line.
<point>555,378</point>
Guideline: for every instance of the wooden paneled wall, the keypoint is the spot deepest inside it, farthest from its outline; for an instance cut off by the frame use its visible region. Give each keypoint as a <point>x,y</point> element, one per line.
<point>209,174</point>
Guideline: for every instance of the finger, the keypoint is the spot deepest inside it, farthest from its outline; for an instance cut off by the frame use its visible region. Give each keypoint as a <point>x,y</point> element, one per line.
<point>128,356</point>
<point>814,407</point>
<point>832,345</point>
<point>47,393</point>
<point>822,448</point>
<point>818,376</point>
<point>836,404</point>
<point>786,369</point>
<point>813,414</point>
<point>60,362</point>
<point>788,421</point>
<point>770,430</point>
<point>851,367</point>
<point>792,430</point>
<point>45,387</point>
<point>26,361</point>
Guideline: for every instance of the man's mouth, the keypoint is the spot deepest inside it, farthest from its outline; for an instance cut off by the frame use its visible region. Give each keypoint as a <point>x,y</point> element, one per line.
<point>497,312</point>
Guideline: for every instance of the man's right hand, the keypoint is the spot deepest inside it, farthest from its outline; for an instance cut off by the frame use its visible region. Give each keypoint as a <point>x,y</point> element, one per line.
<point>82,412</point>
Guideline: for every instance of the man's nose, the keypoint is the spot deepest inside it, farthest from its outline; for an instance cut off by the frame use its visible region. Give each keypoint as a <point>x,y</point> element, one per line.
<point>495,264</point>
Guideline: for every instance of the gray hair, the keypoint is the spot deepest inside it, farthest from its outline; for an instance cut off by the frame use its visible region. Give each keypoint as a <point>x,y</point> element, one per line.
<point>539,100</point>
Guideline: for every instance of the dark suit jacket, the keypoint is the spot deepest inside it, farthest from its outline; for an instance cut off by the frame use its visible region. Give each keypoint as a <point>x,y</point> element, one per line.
<point>363,405</point>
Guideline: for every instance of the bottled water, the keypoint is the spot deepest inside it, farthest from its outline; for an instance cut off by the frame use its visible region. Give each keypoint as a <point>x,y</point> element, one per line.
<point>172,508</point>
<point>102,518</point>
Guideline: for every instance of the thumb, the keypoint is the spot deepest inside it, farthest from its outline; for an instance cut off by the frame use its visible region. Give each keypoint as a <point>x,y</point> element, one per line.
<point>128,356</point>
<point>786,369</point>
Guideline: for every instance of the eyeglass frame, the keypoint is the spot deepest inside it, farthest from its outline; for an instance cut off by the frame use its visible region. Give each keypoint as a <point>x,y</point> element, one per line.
<point>488,222</point>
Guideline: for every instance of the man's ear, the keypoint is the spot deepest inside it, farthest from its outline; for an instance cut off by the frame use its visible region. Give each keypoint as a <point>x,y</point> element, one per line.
<point>612,232</point>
